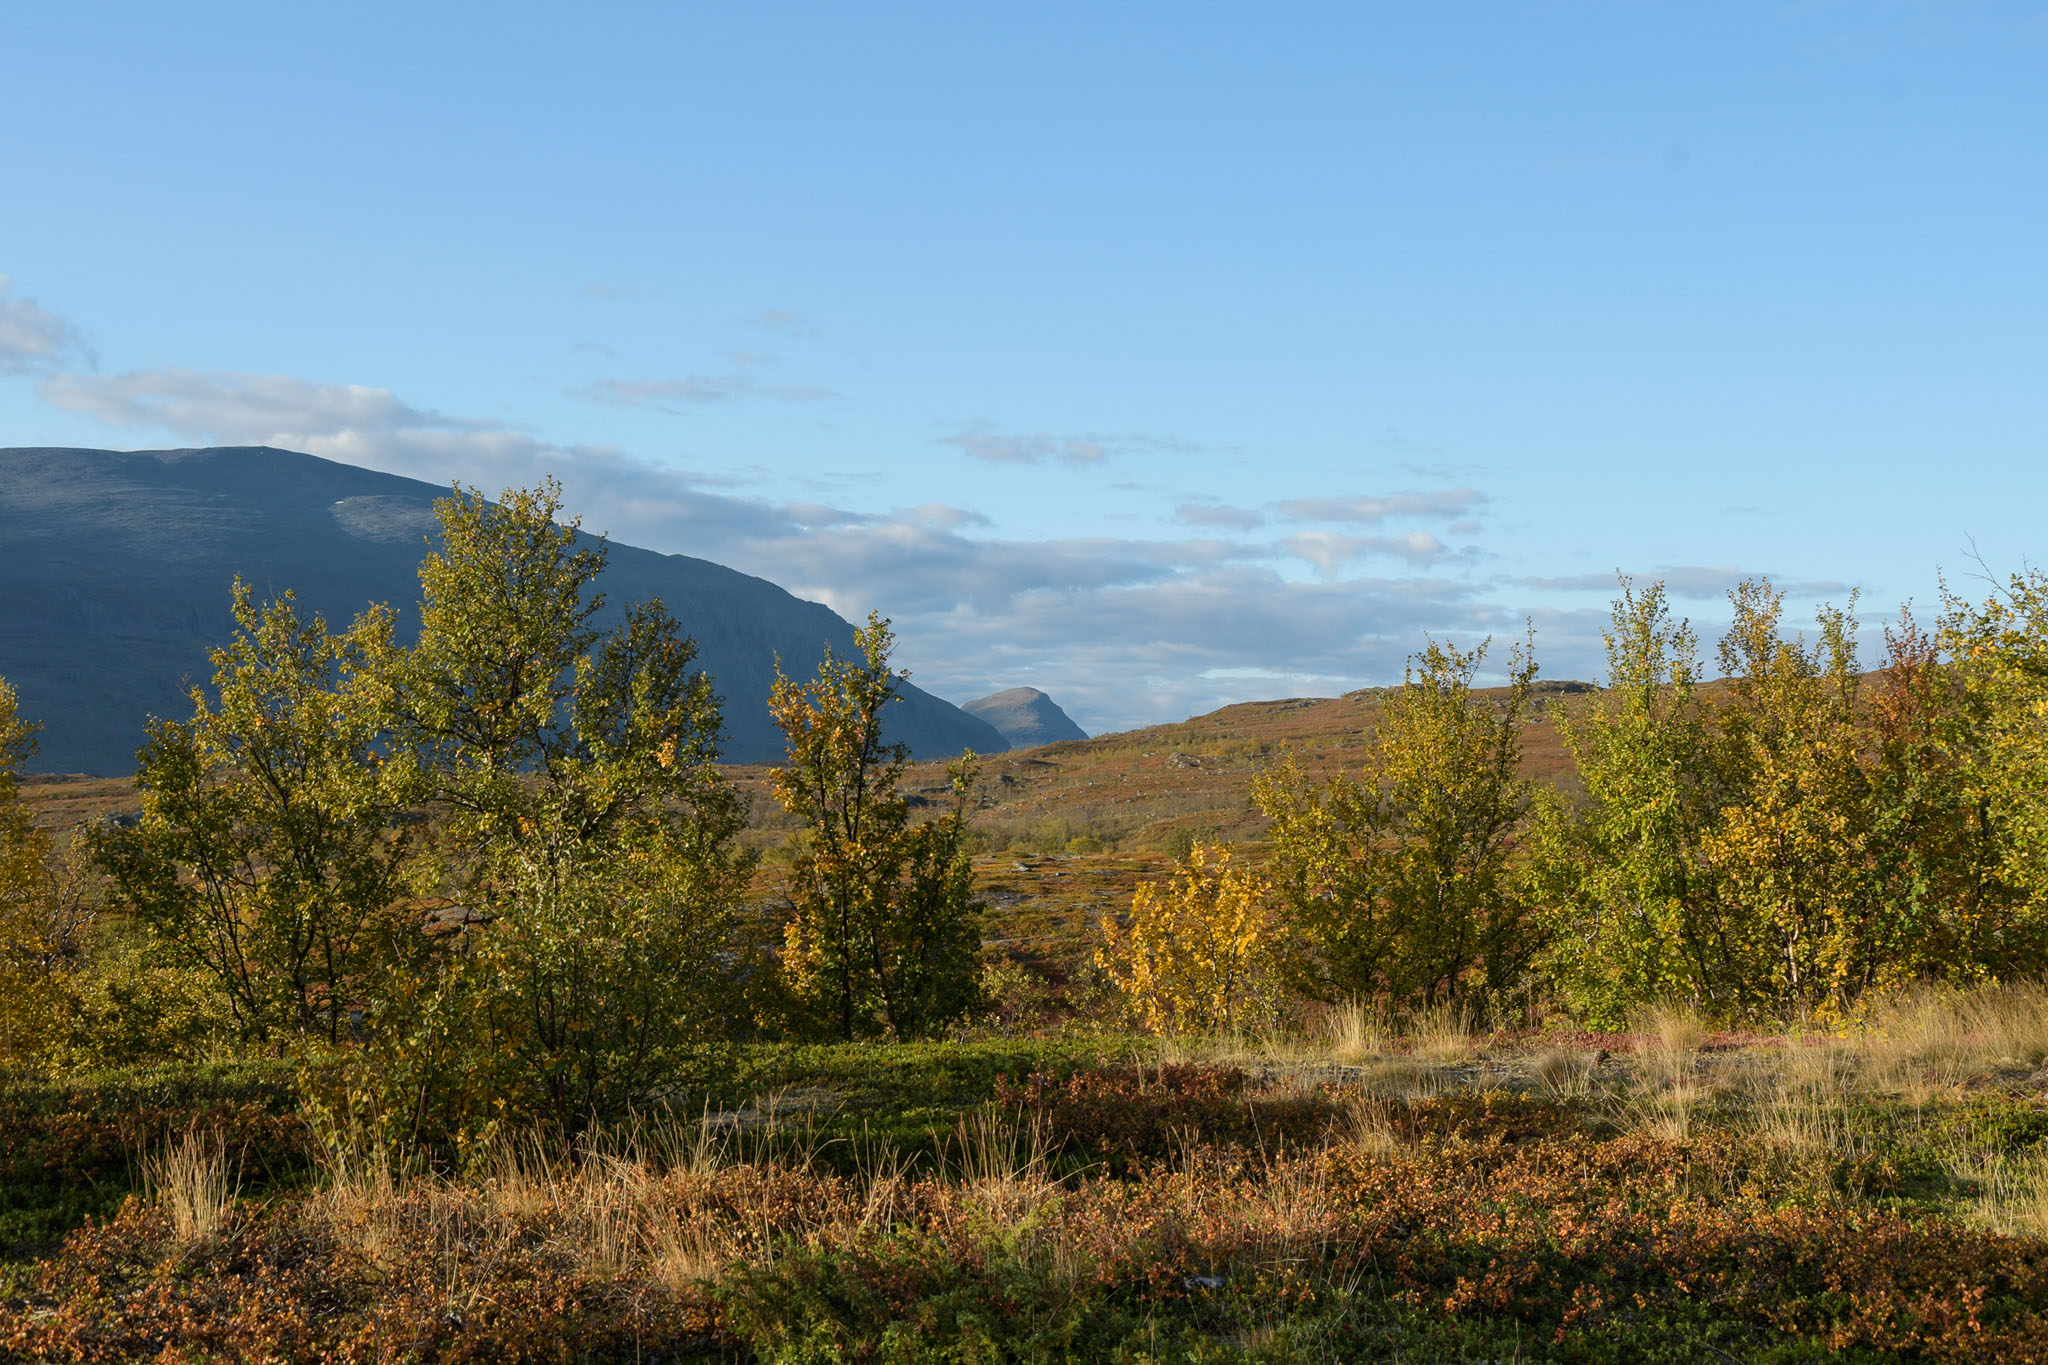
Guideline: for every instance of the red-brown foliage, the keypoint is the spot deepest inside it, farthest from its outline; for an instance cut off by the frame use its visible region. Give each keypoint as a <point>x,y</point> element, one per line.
<point>1482,1207</point>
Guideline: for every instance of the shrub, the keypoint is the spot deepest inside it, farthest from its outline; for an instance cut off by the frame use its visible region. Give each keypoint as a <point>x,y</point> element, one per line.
<point>884,928</point>
<point>1398,883</point>
<point>1201,953</point>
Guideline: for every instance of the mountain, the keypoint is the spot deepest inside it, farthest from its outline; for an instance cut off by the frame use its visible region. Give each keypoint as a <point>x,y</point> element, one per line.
<point>115,568</point>
<point>1026,717</point>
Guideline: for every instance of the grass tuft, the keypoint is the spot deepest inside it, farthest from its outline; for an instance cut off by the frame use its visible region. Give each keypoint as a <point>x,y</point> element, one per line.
<point>195,1185</point>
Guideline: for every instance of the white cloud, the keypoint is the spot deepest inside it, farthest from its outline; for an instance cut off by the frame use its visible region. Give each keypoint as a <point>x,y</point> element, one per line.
<point>1447,505</point>
<point>375,428</point>
<point>785,321</point>
<point>1220,516</point>
<point>1125,655</point>
<point>1330,552</point>
<point>1121,631</point>
<point>34,340</point>
<point>241,407</point>
<point>1684,580</point>
<point>980,442</point>
<point>994,449</point>
<point>946,518</point>
<point>697,388</point>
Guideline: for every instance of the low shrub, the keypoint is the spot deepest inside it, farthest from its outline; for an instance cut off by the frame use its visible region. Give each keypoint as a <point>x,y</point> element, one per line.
<point>1487,1226</point>
<point>75,1148</point>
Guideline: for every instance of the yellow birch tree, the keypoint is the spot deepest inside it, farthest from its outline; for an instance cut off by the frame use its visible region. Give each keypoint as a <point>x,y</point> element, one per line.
<point>1202,950</point>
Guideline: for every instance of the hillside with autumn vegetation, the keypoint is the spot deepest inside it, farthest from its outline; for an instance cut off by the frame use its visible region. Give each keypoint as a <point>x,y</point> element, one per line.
<point>448,997</point>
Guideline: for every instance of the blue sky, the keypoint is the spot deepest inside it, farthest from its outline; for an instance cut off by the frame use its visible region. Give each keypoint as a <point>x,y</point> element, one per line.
<point>1158,356</point>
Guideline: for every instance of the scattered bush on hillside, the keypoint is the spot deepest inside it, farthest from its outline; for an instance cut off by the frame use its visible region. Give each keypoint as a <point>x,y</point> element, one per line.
<point>883,935</point>
<point>1789,852</point>
<point>264,855</point>
<point>497,868</point>
<point>1998,659</point>
<point>31,985</point>
<point>1630,907</point>
<point>1181,843</point>
<point>1016,998</point>
<point>583,842</point>
<point>133,999</point>
<point>1804,837</point>
<point>81,986</point>
<point>1200,953</point>
<point>1399,883</point>
<point>501,868</point>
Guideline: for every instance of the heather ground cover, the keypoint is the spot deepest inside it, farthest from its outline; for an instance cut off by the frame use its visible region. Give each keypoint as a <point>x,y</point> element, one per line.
<point>1357,1193</point>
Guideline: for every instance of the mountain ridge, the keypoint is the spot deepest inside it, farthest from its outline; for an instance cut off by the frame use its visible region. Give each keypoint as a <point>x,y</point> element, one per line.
<point>114,584</point>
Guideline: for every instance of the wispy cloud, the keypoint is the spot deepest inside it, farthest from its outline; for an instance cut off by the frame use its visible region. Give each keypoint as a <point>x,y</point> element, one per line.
<point>238,406</point>
<point>785,321</point>
<point>945,518</point>
<point>34,340</point>
<point>1684,580</point>
<point>375,428</point>
<point>1443,505</point>
<point>1331,552</point>
<point>980,441</point>
<point>697,388</point>
<point>1126,654</point>
<point>1220,516</point>
<point>1036,449</point>
<point>611,291</point>
<point>1123,631</point>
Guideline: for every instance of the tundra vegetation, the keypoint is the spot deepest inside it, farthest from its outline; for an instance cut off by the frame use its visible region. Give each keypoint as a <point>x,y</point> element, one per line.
<point>449,1000</point>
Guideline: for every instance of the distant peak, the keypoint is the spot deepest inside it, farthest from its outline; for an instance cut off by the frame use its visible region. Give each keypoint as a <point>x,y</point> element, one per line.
<point>1014,696</point>
<point>1026,717</point>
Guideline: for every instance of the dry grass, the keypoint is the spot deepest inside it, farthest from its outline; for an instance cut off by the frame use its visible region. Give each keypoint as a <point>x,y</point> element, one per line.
<point>357,1198</point>
<point>682,1253</point>
<point>1921,1045</point>
<point>1933,1039</point>
<point>1566,1073</point>
<point>1005,1166</point>
<point>1443,1035</point>
<point>1223,1242</point>
<point>1666,1089</point>
<point>1664,1111</point>
<point>1356,1032</point>
<point>675,1205</point>
<point>191,1178</point>
<point>2009,1190</point>
<point>619,1206</point>
<point>1406,1078</point>
<point>1669,1052</point>
<point>1370,1126</point>
<point>1800,1100</point>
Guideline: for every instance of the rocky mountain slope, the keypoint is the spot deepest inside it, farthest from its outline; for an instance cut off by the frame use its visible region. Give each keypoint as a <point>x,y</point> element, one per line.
<point>115,567</point>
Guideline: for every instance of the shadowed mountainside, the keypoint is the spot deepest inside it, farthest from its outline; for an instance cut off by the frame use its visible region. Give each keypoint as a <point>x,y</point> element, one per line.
<point>1026,717</point>
<point>116,565</point>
